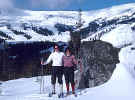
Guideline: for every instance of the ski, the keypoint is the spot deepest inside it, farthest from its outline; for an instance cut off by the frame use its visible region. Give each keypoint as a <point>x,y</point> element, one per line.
<point>70,94</point>
<point>64,95</point>
<point>61,95</point>
<point>51,94</point>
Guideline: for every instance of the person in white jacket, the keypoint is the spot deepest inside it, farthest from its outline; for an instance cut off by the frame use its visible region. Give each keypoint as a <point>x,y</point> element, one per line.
<point>57,69</point>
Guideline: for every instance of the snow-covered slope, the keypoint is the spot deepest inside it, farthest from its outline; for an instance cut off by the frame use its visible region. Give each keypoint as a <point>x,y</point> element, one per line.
<point>120,33</point>
<point>119,87</point>
<point>49,25</point>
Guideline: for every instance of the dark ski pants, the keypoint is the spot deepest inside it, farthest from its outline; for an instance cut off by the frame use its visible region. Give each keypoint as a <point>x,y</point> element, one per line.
<point>69,75</point>
<point>57,72</point>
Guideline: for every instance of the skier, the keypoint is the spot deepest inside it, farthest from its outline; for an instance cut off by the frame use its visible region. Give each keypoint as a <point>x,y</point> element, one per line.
<point>69,63</point>
<point>57,70</point>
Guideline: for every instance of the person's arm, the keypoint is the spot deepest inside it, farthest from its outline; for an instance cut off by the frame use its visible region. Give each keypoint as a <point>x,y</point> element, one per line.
<point>78,63</point>
<point>74,60</point>
<point>63,60</point>
<point>48,60</point>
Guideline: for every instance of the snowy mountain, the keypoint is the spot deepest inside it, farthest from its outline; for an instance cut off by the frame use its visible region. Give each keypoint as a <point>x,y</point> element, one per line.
<point>55,25</point>
<point>114,25</point>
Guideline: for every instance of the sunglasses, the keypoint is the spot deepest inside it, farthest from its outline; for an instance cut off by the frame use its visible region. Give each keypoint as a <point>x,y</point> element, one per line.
<point>56,48</point>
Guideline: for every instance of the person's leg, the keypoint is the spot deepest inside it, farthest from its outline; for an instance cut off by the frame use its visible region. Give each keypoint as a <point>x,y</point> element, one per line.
<point>53,89</point>
<point>66,72</point>
<point>53,79</point>
<point>60,81</point>
<point>71,78</point>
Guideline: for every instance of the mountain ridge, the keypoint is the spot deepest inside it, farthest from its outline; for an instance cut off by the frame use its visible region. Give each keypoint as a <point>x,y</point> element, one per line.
<point>50,25</point>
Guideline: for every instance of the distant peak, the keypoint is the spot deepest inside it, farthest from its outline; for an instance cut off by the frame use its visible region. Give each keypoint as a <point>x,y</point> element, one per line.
<point>11,11</point>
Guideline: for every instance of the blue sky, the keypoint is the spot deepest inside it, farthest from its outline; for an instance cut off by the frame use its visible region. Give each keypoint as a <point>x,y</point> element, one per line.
<point>64,4</point>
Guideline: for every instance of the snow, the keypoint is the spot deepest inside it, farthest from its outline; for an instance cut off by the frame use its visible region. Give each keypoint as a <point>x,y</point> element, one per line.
<point>119,87</point>
<point>120,36</point>
<point>44,19</point>
<point>48,19</point>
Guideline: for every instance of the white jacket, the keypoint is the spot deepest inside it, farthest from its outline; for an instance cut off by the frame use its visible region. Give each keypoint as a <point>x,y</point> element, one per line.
<point>56,58</point>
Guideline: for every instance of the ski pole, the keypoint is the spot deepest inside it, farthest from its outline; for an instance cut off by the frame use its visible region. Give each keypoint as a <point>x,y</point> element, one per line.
<point>41,80</point>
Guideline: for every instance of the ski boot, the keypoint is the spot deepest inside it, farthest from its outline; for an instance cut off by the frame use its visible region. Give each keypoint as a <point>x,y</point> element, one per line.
<point>61,95</point>
<point>52,93</point>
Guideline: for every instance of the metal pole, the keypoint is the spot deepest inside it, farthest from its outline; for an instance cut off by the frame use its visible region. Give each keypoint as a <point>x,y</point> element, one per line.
<point>42,79</point>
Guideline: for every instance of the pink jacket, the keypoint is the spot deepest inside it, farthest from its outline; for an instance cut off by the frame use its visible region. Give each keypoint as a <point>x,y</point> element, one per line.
<point>69,61</point>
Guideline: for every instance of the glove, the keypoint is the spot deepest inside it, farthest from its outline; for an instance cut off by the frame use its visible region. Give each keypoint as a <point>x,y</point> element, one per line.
<point>75,72</point>
<point>42,63</point>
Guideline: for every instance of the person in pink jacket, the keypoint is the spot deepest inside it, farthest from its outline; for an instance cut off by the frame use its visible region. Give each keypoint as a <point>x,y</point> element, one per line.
<point>69,63</point>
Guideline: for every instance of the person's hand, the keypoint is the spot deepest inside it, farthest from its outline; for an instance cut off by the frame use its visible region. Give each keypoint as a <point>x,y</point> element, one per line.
<point>76,71</point>
<point>79,61</point>
<point>42,63</point>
